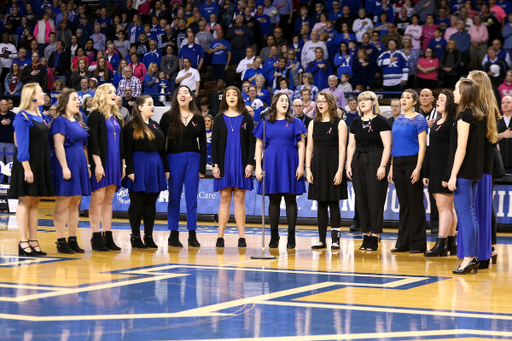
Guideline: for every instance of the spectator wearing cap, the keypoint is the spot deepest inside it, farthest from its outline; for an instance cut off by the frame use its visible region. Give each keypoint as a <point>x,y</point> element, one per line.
<point>43,29</point>
<point>131,81</point>
<point>192,51</point>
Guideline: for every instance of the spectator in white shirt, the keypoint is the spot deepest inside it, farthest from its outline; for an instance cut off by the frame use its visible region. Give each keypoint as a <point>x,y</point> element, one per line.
<point>245,63</point>
<point>308,51</point>
<point>189,76</point>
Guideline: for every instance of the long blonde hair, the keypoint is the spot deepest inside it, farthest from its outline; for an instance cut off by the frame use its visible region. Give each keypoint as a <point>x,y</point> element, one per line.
<point>99,102</point>
<point>489,102</point>
<point>26,96</point>
<point>371,95</point>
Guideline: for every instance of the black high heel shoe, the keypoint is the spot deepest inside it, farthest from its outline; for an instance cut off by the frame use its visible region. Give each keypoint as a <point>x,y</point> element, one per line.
<point>471,267</point>
<point>25,251</point>
<point>494,256</point>
<point>33,247</point>
<point>440,249</point>
<point>73,245</point>
<point>136,242</point>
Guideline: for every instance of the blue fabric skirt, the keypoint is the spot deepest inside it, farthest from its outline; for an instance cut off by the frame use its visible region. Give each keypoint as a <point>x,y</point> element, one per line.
<point>79,183</point>
<point>149,173</point>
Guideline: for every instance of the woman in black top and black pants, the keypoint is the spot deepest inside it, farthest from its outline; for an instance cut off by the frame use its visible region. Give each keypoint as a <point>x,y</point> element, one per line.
<point>233,146</point>
<point>146,169</point>
<point>183,125</point>
<point>368,154</point>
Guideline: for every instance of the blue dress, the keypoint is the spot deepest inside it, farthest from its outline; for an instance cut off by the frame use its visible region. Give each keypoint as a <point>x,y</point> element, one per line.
<point>112,165</point>
<point>281,156</point>
<point>76,139</point>
<point>234,170</point>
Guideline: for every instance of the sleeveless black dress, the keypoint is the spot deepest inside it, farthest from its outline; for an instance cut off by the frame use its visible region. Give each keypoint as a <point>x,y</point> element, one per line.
<point>39,163</point>
<point>324,163</point>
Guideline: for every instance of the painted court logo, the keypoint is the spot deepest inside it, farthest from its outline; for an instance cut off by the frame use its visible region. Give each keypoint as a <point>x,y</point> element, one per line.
<point>123,197</point>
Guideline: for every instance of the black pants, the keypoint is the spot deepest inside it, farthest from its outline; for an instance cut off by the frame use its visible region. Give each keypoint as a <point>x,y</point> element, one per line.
<point>370,192</point>
<point>274,210</point>
<point>142,206</point>
<point>323,217</point>
<point>5,71</point>
<point>426,83</point>
<point>412,225</point>
<point>449,81</point>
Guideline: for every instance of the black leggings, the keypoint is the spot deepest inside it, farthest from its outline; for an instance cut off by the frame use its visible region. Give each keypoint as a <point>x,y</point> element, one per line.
<point>142,206</point>
<point>274,210</point>
<point>323,217</point>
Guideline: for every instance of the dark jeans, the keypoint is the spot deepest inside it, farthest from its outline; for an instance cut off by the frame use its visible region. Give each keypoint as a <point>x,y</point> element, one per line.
<point>398,87</point>
<point>218,72</point>
<point>237,55</point>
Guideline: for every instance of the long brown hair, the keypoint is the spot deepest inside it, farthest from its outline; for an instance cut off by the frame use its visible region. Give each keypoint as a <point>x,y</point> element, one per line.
<point>63,102</point>
<point>450,107</point>
<point>470,98</point>
<point>176,127</point>
<point>139,127</point>
<point>273,109</point>
<point>104,69</point>
<point>331,102</point>
<point>489,101</point>
<point>240,107</point>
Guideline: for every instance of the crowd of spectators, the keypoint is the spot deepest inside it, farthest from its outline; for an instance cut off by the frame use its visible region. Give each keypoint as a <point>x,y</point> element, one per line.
<point>274,46</point>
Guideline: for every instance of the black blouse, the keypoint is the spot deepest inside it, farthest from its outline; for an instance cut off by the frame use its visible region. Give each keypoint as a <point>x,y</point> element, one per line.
<point>144,145</point>
<point>192,140</point>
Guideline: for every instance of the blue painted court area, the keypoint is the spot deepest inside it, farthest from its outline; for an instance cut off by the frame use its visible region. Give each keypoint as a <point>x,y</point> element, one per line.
<point>193,302</point>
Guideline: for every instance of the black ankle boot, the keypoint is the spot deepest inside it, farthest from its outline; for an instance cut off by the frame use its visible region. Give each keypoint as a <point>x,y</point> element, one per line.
<point>373,243</point>
<point>192,240</point>
<point>174,239</point>
<point>108,240</point>
<point>73,245</point>
<point>290,244</point>
<point>366,242</point>
<point>148,240</point>
<point>97,242</point>
<point>274,239</point>
<point>63,247</point>
<point>439,250</point>
<point>452,245</point>
<point>335,236</point>
<point>137,242</point>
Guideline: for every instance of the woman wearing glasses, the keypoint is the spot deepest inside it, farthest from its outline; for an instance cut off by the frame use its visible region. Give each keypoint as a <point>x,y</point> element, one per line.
<point>368,153</point>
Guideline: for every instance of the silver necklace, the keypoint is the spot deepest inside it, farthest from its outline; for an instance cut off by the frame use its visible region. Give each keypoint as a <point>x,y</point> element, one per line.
<point>229,120</point>
<point>186,118</point>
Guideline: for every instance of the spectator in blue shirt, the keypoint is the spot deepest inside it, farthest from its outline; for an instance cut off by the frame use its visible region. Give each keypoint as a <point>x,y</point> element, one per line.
<point>151,80</point>
<point>336,11</point>
<point>463,40</point>
<point>442,20</point>
<point>264,21</point>
<point>86,27</point>
<point>220,50</point>
<point>152,56</point>
<point>320,69</point>
<point>271,62</point>
<point>163,83</point>
<point>251,73</point>
<point>208,8</point>
<point>438,44</point>
<point>104,21</point>
<point>303,19</point>
<point>192,51</point>
<point>22,60</point>
<point>112,56</point>
<point>456,5</point>
<point>99,38</point>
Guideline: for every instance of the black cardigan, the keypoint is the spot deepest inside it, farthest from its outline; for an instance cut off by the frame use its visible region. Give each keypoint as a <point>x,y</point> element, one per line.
<point>220,138</point>
<point>98,139</point>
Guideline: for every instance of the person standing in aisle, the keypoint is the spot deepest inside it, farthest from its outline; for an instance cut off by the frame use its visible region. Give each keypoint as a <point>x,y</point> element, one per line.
<point>185,136</point>
<point>434,169</point>
<point>408,153</point>
<point>466,166</point>
<point>146,168</point>
<point>327,141</point>
<point>70,172</point>
<point>368,154</point>
<point>107,164</point>
<point>284,164</point>
<point>233,146</point>
<point>31,172</point>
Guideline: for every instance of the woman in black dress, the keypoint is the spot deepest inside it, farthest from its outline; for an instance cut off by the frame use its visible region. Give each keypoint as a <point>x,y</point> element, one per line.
<point>327,139</point>
<point>368,154</point>
<point>233,145</point>
<point>434,170</point>
<point>146,169</point>
<point>31,171</point>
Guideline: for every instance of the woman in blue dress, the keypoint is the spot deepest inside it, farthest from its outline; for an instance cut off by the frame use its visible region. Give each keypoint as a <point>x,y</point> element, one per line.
<point>70,172</point>
<point>284,164</point>
<point>107,164</point>
<point>146,168</point>
<point>31,172</point>
<point>232,156</point>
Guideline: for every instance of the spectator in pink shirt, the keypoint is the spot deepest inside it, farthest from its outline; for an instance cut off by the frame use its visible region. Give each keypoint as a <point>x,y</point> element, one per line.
<point>497,11</point>
<point>506,88</point>
<point>428,31</point>
<point>428,69</point>
<point>452,29</point>
<point>479,37</point>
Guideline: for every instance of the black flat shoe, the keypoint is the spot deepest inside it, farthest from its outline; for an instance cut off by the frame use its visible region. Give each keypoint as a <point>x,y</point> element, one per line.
<point>242,242</point>
<point>73,245</point>
<point>63,247</point>
<point>373,243</point>
<point>274,239</point>
<point>220,242</point>
<point>149,242</point>
<point>416,251</point>
<point>471,267</point>
<point>319,246</point>
<point>25,250</point>
<point>397,249</point>
<point>192,239</point>
<point>97,242</point>
<point>366,241</point>
<point>108,240</point>
<point>174,239</point>
<point>355,228</point>
<point>34,247</point>
<point>290,244</point>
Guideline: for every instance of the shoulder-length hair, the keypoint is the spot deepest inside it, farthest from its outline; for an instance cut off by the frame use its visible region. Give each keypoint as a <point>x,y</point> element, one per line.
<point>176,128</point>
<point>104,68</point>
<point>139,127</point>
<point>273,109</point>
<point>63,102</point>
<point>450,107</point>
<point>489,102</point>
<point>371,96</point>
<point>240,107</point>
<point>99,102</point>
<point>27,93</point>
<point>11,73</point>
<point>470,98</point>
<point>331,102</point>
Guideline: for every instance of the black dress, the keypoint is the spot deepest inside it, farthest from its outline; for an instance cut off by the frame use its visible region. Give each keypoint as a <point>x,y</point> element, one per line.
<point>324,163</point>
<point>437,157</point>
<point>39,160</point>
